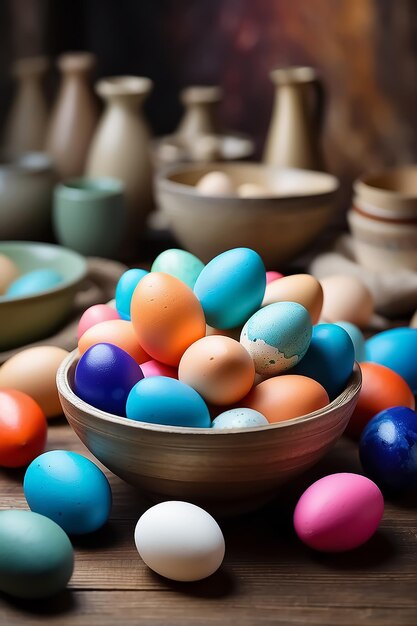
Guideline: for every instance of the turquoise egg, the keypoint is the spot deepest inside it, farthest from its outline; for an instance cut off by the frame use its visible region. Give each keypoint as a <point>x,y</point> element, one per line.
<point>124,291</point>
<point>34,282</point>
<point>239,418</point>
<point>277,337</point>
<point>396,349</point>
<point>163,400</point>
<point>179,263</point>
<point>36,556</point>
<point>357,338</point>
<point>69,489</point>
<point>231,287</point>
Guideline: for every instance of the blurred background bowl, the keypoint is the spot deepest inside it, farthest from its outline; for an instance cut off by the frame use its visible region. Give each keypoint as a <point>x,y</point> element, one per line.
<point>280,226</point>
<point>390,194</point>
<point>225,471</point>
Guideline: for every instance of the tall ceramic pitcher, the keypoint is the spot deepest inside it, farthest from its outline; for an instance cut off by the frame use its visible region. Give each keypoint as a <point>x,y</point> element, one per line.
<point>293,136</point>
<point>120,147</point>
<point>27,119</point>
<point>74,117</point>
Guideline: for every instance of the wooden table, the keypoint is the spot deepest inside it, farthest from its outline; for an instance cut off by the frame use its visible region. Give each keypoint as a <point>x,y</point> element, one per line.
<point>268,576</point>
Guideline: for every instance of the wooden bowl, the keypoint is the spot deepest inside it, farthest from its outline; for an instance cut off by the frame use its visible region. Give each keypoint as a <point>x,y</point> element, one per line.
<point>279,226</point>
<point>225,471</point>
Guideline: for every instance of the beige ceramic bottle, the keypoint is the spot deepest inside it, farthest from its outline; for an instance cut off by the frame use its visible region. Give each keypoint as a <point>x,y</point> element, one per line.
<point>198,118</point>
<point>74,117</point>
<point>292,139</point>
<point>120,147</point>
<point>27,119</point>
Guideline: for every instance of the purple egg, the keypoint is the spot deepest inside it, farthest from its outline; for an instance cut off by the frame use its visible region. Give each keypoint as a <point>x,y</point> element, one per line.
<point>104,376</point>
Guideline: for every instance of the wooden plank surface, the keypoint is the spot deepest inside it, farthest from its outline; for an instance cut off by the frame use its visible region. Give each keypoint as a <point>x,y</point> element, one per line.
<point>268,576</point>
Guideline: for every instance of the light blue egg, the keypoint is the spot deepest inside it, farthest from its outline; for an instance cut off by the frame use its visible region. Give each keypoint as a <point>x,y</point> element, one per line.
<point>396,349</point>
<point>124,291</point>
<point>231,287</point>
<point>277,337</point>
<point>357,338</point>
<point>239,418</point>
<point>34,282</point>
<point>329,359</point>
<point>69,489</point>
<point>163,400</point>
<point>179,263</point>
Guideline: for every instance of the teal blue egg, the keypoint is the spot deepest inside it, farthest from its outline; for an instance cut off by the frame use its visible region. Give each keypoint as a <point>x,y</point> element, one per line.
<point>34,282</point>
<point>396,349</point>
<point>231,287</point>
<point>357,338</point>
<point>36,556</point>
<point>239,418</point>
<point>163,400</point>
<point>179,263</point>
<point>277,337</point>
<point>124,290</point>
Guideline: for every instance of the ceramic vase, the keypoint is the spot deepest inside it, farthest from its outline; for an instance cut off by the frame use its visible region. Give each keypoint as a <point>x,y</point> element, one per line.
<point>198,118</point>
<point>74,117</point>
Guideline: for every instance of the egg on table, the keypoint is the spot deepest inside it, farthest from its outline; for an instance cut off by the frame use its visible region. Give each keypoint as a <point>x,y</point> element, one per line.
<point>34,282</point>
<point>301,288</point>
<point>9,272</point>
<point>346,298</point>
<point>179,263</point>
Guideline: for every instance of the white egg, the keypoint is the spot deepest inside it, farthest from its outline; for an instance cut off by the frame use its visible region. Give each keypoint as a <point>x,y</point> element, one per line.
<point>8,272</point>
<point>180,541</point>
<point>239,418</point>
<point>215,184</point>
<point>252,190</point>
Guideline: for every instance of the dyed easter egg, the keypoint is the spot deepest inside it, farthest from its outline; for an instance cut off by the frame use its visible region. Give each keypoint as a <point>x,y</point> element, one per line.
<point>69,489</point>
<point>166,316</point>
<point>357,338</point>
<point>162,400</point>
<point>124,291</point>
<point>338,512</point>
<point>381,389</point>
<point>231,287</point>
<point>8,273</point>
<point>346,298</point>
<point>36,556</point>
<point>286,397</point>
<point>34,282</point>
<point>396,349</point>
<point>156,368</point>
<point>277,337</point>
<point>104,376</point>
<point>388,447</point>
<point>95,315</point>
<point>329,358</point>
<point>272,275</point>
<point>179,263</point>
<point>219,368</point>
<point>301,288</point>
<point>119,332</point>
<point>239,418</point>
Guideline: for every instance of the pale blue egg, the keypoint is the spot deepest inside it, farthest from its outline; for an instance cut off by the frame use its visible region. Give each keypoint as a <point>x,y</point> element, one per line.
<point>277,337</point>
<point>179,263</point>
<point>357,338</point>
<point>239,418</point>
<point>396,349</point>
<point>124,291</point>
<point>34,282</point>
<point>231,287</point>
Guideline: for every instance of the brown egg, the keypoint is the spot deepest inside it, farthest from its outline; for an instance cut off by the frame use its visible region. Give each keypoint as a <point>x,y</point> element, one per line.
<point>33,371</point>
<point>285,397</point>
<point>118,332</point>
<point>219,368</point>
<point>233,333</point>
<point>347,299</point>
<point>301,288</point>
<point>8,273</point>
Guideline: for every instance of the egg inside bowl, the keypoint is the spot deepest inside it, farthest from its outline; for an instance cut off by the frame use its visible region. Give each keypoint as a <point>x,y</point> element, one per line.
<point>225,471</point>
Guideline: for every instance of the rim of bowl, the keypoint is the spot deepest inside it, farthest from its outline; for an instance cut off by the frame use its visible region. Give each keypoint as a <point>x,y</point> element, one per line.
<point>101,187</point>
<point>164,181</point>
<point>64,388</point>
<point>65,284</point>
<point>369,183</point>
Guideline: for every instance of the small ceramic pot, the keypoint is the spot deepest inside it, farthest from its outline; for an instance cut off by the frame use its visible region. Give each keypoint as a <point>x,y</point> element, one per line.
<point>390,194</point>
<point>89,215</point>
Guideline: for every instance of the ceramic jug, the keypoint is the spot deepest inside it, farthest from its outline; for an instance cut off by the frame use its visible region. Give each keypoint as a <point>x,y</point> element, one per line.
<point>27,119</point>
<point>120,147</point>
<point>292,139</point>
<point>198,118</point>
<point>74,117</point>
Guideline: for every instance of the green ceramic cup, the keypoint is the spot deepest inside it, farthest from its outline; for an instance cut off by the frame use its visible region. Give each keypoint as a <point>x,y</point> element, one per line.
<point>89,215</point>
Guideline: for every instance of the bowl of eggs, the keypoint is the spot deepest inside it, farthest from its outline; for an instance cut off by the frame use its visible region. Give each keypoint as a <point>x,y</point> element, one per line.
<point>211,208</point>
<point>164,397</point>
<point>37,286</point>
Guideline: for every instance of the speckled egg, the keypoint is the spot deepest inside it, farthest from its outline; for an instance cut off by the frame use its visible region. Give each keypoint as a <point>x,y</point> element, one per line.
<point>301,288</point>
<point>239,418</point>
<point>124,290</point>
<point>179,263</point>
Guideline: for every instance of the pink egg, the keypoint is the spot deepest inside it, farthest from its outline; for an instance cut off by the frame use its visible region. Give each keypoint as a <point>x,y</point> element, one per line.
<point>271,276</point>
<point>155,368</point>
<point>338,512</point>
<point>95,315</point>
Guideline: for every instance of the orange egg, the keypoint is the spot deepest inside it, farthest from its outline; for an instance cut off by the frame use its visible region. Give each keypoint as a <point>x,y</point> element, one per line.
<point>166,316</point>
<point>382,388</point>
<point>219,368</point>
<point>285,397</point>
<point>118,332</point>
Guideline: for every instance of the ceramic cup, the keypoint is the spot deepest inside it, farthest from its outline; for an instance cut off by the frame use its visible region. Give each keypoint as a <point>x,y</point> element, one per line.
<point>89,215</point>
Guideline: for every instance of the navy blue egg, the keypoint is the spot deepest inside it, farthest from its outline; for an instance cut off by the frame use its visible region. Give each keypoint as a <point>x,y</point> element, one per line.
<point>396,349</point>
<point>388,449</point>
<point>329,359</point>
<point>163,400</point>
<point>104,376</point>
